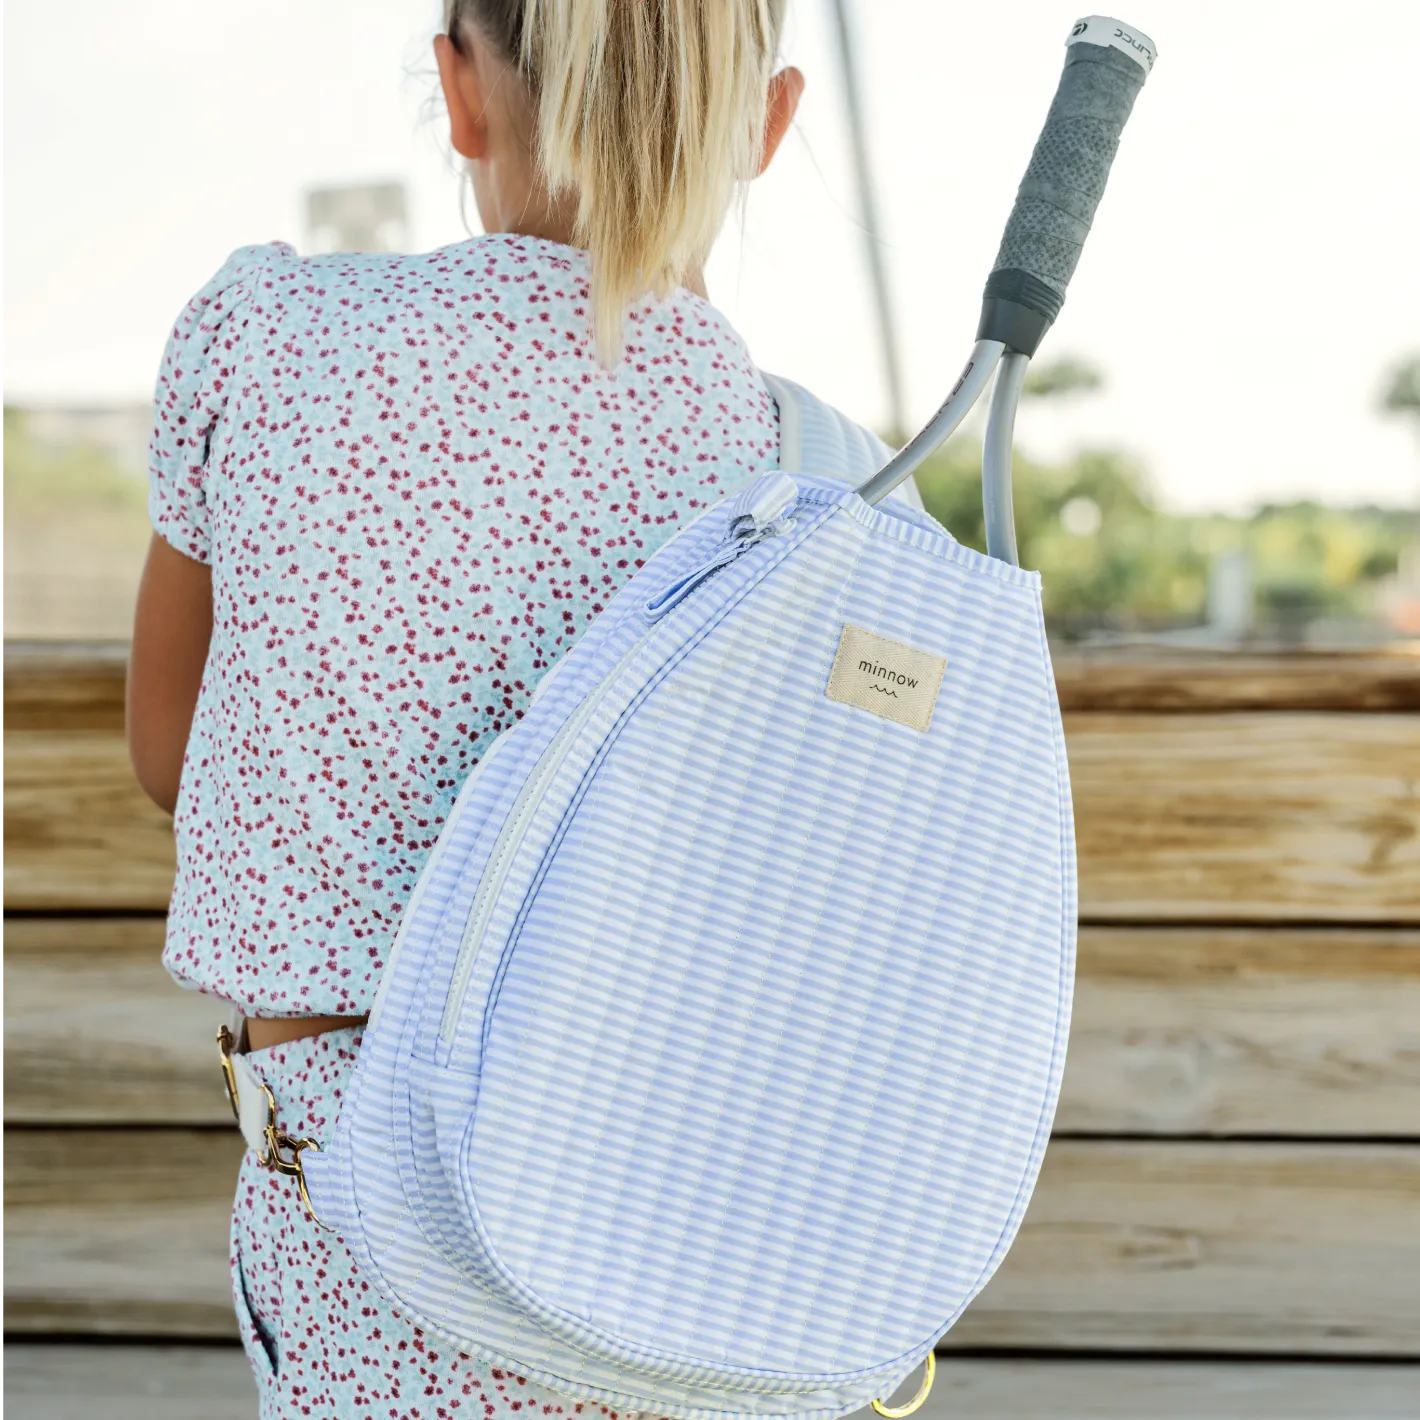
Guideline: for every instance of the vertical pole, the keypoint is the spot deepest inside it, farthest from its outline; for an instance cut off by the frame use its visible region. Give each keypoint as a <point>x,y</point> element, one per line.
<point>868,217</point>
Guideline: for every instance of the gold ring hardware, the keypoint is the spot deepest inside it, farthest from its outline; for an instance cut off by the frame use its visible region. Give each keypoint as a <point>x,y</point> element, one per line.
<point>896,1412</point>
<point>282,1153</point>
<point>225,1041</point>
<point>288,1162</point>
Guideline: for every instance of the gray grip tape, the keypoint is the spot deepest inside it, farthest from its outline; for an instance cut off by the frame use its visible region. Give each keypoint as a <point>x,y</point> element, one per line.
<point>1067,173</point>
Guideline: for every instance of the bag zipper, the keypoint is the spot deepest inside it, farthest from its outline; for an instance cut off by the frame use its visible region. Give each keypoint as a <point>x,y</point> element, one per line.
<point>739,543</point>
<point>430,869</point>
<point>760,512</point>
<point>510,838</point>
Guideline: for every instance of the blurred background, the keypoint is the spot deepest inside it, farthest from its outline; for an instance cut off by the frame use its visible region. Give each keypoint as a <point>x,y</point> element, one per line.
<point>1222,440</point>
<point>1218,473</point>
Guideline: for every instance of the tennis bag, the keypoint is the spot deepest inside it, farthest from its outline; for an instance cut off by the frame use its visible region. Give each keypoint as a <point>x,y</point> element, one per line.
<point>718,1055</point>
<point>718,1050</point>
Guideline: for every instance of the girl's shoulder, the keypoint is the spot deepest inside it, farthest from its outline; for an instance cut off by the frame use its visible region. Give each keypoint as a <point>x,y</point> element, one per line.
<point>245,266</point>
<point>474,292</point>
<point>203,364</point>
<point>223,300</point>
<point>343,277</point>
<point>274,276</point>
<point>269,287</point>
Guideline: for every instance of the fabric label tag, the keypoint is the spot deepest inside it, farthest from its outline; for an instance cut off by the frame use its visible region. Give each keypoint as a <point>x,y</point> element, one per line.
<point>895,681</point>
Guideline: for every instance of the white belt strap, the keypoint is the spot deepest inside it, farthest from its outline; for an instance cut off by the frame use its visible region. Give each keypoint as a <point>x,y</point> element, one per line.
<point>252,1111</point>
<point>254,1106</point>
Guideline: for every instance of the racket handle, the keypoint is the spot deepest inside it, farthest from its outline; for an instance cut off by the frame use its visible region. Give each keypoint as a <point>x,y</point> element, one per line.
<point>1106,63</point>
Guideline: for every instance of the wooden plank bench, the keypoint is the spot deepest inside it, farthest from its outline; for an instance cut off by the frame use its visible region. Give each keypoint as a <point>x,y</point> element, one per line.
<point>1216,1031</point>
<point>175,1382</point>
<point>1237,1164</point>
<point>1128,1245</point>
<point>1220,811</point>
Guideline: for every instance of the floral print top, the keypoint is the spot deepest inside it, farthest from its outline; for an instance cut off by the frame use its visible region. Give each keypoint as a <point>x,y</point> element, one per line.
<point>414,486</point>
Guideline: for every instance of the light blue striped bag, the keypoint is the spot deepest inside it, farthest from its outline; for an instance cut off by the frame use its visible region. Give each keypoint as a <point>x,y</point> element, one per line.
<point>719,1049</point>
<point>721,1046</point>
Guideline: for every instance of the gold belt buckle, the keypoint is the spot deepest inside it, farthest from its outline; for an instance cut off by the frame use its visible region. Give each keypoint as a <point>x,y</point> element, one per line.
<point>225,1042</point>
<point>282,1151</point>
<point>896,1412</point>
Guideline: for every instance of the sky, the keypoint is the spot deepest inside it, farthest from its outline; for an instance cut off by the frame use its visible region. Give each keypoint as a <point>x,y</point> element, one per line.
<point>1252,275</point>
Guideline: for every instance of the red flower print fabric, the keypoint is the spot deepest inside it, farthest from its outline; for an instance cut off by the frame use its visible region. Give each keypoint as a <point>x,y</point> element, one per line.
<point>415,487</point>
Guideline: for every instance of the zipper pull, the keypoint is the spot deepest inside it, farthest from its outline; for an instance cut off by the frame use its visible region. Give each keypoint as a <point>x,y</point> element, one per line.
<point>762,507</point>
<point>757,512</point>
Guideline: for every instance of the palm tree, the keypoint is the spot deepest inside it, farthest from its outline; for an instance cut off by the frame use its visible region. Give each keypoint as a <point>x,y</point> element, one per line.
<point>1402,392</point>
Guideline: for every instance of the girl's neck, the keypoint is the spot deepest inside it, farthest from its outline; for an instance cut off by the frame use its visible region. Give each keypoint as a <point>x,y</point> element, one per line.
<point>536,216</point>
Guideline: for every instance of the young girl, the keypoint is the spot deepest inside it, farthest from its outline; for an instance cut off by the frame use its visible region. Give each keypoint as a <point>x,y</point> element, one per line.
<point>388,492</point>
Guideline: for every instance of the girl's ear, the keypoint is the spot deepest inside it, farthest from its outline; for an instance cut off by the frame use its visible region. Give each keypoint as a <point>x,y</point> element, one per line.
<point>785,90</point>
<point>463,93</point>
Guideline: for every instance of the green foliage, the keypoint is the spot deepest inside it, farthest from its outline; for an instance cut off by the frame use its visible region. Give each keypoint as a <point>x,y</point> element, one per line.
<point>1067,375</point>
<point>1110,558</point>
<point>76,479</point>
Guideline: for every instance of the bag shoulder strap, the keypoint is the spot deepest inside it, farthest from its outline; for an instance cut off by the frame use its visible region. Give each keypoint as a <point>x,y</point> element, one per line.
<point>791,444</point>
<point>814,437</point>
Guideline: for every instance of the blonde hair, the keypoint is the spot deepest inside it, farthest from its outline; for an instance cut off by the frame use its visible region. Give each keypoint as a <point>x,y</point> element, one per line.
<point>651,112</point>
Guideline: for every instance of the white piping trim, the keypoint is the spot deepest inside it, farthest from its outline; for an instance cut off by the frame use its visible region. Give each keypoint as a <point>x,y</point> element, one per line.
<point>791,442</point>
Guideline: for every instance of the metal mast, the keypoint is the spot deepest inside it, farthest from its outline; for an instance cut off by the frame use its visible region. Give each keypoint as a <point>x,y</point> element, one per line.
<point>868,218</point>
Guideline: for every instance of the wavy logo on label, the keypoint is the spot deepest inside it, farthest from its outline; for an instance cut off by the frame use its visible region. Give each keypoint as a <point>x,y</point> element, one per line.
<point>885,677</point>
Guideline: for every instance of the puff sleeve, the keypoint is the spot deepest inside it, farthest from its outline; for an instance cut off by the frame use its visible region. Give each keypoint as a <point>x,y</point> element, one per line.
<point>198,384</point>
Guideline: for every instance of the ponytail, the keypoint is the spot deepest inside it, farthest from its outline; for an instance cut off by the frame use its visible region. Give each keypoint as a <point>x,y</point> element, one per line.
<point>652,113</point>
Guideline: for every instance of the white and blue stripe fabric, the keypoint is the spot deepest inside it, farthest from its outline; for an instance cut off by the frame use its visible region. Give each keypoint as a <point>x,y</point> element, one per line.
<point>718,1053</point>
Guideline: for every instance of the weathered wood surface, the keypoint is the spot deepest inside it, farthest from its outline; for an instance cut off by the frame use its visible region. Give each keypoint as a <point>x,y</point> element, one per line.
<point>145,1382</point>
<point>119,1231</point>
<point>81,685</point>
<point>1154,680</point>
<point>78,686</point>
<point>1281,1248</point>
<point>79,833</point>
<point>1278,791</point>
<point>1287,814</point>
<point>1216,1031</point>
<point>1299,817</point>
<point>1238,1247</point>
<point>1285,1031</point>
<point>1218,817</point>
<point>68,1381</point>
<point>975,1388</point>
<point>97,1032</point>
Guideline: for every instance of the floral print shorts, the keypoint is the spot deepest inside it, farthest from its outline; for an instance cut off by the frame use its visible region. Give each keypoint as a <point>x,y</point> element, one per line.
<point>320,1339</point>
